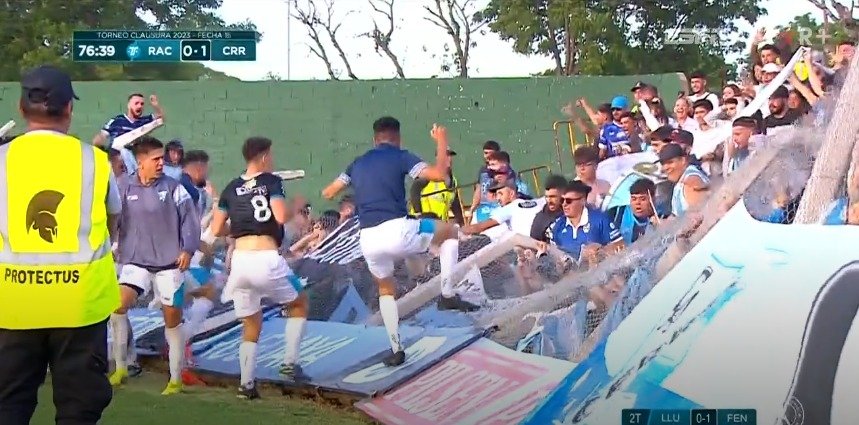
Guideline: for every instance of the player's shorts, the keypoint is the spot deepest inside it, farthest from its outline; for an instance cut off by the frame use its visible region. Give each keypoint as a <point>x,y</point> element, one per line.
<point>393,240</point>
<point>195,277</point>
<point>255,275</point>
<point>167,285</point>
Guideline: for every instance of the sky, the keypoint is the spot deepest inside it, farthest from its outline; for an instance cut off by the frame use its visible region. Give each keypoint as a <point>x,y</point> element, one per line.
<point>420,45</point>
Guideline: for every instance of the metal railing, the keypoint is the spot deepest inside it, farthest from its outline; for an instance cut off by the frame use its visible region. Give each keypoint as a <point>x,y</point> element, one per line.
<point>535,177</point>
<point>571,135</point>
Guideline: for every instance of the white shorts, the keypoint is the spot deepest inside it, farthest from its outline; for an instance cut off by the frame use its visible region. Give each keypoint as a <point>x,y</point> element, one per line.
<point>167,285</point>
<point>393,240</point>
<point>255,275</point>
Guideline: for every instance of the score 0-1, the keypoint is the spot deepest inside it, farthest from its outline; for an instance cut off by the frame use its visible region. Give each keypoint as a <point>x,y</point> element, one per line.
<point>196,50</point>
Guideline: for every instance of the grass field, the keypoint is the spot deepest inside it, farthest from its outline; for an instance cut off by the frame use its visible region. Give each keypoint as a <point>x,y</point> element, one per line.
<point>140,403</point>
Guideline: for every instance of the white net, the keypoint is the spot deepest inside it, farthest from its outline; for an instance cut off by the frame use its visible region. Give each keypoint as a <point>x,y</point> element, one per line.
<point>591,303</point>
<point>584,305</point>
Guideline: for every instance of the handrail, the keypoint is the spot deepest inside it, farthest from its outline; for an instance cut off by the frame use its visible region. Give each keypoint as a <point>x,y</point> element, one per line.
<point>573,140</point>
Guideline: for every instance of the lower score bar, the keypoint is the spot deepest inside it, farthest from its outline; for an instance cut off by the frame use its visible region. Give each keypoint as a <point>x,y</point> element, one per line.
<point>234,50</point>
<point>688,417</point>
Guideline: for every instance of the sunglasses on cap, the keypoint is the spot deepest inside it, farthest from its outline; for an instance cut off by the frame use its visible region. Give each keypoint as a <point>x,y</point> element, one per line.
<point>565,200</point>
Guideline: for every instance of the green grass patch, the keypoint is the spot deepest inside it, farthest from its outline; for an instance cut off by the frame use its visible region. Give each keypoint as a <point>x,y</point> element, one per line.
<point>139,402</point>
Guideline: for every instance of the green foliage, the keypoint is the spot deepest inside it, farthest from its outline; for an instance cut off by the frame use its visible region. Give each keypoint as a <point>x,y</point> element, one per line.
<point>614,37</point>
<point>792,33</point>
<point>37,32</point>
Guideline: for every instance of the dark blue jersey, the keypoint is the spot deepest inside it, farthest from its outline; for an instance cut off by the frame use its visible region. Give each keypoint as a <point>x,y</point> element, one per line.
<point>378,183</point>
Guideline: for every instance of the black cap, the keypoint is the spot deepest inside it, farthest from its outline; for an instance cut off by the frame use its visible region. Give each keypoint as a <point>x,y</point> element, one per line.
<point>662,133</point>
<point>578,186</point>
<point>780,92</point>
<point>48,85</point>
<point>671,151</point>
<point>683,137</point>
<point>638,86</point>
<point>508,183</point>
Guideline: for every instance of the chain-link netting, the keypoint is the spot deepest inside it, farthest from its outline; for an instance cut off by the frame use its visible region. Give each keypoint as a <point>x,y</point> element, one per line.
<point>770,183</point>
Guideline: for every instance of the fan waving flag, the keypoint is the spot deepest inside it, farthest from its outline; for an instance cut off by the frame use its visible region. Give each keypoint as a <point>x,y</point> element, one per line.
<point>342,246</point>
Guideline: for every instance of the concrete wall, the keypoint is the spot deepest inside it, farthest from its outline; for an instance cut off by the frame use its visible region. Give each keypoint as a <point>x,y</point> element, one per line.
<point>321,126</point>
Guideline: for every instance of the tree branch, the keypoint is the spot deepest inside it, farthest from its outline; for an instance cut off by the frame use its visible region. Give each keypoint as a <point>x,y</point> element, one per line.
<point>331,29</point>
<point>452,17</point>
<point>382,39</point>
<point>310,19</point>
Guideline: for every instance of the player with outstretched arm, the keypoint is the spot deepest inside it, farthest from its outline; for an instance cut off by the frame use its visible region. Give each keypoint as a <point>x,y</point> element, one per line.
<point>256,206</point>
<point>377,179</point>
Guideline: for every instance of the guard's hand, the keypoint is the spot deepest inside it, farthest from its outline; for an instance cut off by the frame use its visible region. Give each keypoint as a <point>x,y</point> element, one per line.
<point>153,100</point>
<point>184,261</point>
<point>439,133</point>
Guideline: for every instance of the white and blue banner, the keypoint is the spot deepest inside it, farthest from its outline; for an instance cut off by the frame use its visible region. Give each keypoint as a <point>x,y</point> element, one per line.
<point>756,316</point>
<point>336,356</point>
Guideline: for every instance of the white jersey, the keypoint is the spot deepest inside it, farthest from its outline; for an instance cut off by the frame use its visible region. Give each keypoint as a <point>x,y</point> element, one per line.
<point>516,216</point>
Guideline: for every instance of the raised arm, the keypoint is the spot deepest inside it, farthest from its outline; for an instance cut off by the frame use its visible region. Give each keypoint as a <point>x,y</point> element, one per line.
<point>437,172</point>
<point>156,106</point>
<point>592,114</point>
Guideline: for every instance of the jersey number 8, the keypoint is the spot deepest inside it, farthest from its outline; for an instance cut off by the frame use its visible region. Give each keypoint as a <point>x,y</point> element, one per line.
<point>262,212</point>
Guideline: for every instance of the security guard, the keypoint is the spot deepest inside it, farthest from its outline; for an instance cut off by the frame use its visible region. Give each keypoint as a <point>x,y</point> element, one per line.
<point>432,198</point>
<point>59,282</point>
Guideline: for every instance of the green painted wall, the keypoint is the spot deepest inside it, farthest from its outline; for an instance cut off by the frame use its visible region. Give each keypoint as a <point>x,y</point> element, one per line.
<point>321,126</point>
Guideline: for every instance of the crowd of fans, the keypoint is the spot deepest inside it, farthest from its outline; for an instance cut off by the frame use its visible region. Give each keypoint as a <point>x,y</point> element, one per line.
<point>703,139</point>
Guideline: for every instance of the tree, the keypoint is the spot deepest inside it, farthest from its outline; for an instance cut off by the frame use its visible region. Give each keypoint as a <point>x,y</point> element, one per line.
<point>620,37</point>
<point>39,32</point>
<point>460,23</point>
<point>382,39</point>
<point>839,13</point>
<point>272,76</point>
<point>317,21</point>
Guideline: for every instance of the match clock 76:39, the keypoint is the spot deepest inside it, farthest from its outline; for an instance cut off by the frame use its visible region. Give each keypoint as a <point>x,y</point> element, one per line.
<point>196,50</point>
<point>96,51</point>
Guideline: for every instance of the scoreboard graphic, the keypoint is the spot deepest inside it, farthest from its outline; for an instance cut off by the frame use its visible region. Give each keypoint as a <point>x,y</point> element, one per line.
<point>164,46</point>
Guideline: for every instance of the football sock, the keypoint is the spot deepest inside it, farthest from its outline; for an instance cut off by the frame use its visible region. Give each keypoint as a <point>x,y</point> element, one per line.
<point>119,329</point>
<point>391,317</point>
<point>448,254</point>
<point>175,351</point>
<point>247,362</point>
<point>294,332</point>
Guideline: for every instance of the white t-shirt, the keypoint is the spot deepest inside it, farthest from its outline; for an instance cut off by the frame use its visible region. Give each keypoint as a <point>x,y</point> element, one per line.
<point>516,216</point>
<point>706,95</point>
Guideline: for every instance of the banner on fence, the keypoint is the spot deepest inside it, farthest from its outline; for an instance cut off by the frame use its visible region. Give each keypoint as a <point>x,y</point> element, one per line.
<point>761,324</point>
<point>336,356</point>
<point>485,384</point>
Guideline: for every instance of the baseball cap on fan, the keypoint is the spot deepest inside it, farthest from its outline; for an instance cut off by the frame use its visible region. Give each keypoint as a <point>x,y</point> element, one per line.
<point>47,85</point>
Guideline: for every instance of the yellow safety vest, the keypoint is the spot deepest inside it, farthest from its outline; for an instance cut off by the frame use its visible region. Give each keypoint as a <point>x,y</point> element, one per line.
<point>439,203</point>
<point>55,260</point>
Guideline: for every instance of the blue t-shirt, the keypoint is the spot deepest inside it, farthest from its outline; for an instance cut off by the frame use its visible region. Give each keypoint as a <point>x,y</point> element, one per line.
<point>611,134</point>
<point>378,183</point>
<point>595,227</point>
